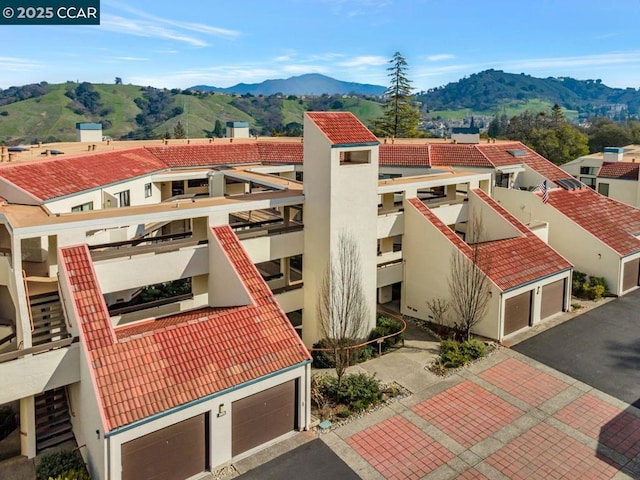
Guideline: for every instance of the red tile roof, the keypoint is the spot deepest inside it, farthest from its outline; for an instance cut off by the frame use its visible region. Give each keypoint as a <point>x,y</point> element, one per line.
<point>451,155</point>
<point>614,223</point>
<point>619,170</point>
<point>285,152</point>
<point>205,155</point>
<point>154,366</point>
<point>514,261</point>
<point>519,260</point>
<point>342,128</point>
<point>404,155</point>
<point>47,179</point>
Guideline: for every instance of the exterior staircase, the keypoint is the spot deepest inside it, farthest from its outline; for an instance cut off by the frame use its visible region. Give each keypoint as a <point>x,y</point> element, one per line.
<point>48,318</point>
<point>53,424</point>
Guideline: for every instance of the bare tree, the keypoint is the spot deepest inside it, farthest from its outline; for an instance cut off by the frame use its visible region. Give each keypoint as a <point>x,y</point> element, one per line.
<point>469,284</point>
<point>439,308</point>
<point>342,307</point>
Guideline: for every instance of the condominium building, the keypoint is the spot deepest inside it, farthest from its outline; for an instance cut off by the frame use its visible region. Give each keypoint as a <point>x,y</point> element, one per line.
<point>214,371</point>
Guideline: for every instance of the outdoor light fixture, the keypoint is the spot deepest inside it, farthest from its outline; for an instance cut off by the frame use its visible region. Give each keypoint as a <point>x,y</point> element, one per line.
<point>221,411</point>
<point>538,291</point>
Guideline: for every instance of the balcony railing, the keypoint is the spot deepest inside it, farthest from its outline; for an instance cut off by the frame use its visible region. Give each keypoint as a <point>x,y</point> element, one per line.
<point>65,342</point>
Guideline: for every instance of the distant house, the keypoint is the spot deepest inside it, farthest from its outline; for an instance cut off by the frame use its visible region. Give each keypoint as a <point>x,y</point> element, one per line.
<point>465,135</point>
<point>615,172</point>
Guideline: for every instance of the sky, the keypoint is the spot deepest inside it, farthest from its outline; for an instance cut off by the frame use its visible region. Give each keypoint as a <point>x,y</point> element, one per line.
<point>181,43</point>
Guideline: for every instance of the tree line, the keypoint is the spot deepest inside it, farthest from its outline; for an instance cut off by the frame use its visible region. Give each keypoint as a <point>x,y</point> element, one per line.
<point>560,141</point>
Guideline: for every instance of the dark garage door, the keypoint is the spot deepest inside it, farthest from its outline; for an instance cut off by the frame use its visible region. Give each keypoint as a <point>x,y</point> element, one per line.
<point>173,453</point>
<point>517,312</point>
<point>263,417</point>
<point>552,299</point>
<point>630,276</point>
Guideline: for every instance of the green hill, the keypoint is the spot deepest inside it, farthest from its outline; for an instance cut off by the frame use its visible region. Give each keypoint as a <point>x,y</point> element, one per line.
<point>49,112</point>
<point>494,91</point>
<point>144,112</point>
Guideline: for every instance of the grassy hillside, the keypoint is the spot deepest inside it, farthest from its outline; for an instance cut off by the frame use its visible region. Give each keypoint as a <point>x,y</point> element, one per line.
<point>51,117</point>
<point>508,107</point>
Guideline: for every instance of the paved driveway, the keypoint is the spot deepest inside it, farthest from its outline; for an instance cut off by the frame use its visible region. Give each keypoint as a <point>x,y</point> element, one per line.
<point>600,348</point>
<point>311,461</point>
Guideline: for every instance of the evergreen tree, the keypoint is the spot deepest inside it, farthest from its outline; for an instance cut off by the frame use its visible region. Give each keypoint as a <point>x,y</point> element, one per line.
<point>179,131</point>
<point>218,131</point>
<point>400,117</point>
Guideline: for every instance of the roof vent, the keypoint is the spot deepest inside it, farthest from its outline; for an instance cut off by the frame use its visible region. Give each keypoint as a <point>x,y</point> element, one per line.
<point>569,183</point>
<point>517,152</point>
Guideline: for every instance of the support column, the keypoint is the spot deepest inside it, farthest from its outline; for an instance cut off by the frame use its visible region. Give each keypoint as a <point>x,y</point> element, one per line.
<point>285,269</point>
<point>387,202</point>
<point>216,184</point>
<point>28,427</point>
<point>385,294</point>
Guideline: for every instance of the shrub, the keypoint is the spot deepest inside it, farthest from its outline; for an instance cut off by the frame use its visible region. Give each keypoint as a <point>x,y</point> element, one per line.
<point>454,354</point>
<point>322,359</point>
<point>7,421</point>
<point>73,475</point>
<point>594,292</point>
<point>65,462</point>
<point>450,354</point>
<point>599,282</point>
<point>578,281</point>
<point>386,326</point>
<point>358,390</point>
<point>473,348</point>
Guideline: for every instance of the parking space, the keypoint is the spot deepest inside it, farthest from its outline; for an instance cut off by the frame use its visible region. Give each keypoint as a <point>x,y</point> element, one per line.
<point>600,348</point>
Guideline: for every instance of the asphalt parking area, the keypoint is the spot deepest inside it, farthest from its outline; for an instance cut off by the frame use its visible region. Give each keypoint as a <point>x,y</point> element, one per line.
<point>312,461</point>
<point>600,348</point>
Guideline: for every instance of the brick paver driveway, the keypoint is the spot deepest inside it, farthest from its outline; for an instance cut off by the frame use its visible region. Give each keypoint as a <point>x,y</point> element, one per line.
<point>506,417</point>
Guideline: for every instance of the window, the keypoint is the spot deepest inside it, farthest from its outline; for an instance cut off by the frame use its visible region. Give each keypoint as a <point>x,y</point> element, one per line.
<point>603,189</point>
<point>588,170</point>
<point>589,182</point>
<point>197,183</point>
<point>147,190</point>
<point>124,199</point>
<point>355,157</point>
<point>85,207</point>
<point>502,180</point>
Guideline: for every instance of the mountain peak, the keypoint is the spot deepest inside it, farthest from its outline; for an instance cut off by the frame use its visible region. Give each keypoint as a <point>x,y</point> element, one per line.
<point>305,84</point>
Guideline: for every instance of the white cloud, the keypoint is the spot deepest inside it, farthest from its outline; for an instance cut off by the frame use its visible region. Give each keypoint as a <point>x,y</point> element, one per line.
<point>440,57</point>
<point>364,61</point>
<point>132,59</point>
<point>576,61</point>
<point>354,8</point>
<point>142,24</point>
<point>142,28</point>
<point>14,64</point>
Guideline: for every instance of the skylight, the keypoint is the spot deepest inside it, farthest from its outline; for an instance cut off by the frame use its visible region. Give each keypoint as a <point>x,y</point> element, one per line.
<point>517,152</point>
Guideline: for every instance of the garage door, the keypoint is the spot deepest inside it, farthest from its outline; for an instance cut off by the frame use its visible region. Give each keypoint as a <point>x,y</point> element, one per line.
<point>517,312</point>
<point>176,452</point>
<point>552,299</point>
<point>630,277</point>
<point>263,417</point>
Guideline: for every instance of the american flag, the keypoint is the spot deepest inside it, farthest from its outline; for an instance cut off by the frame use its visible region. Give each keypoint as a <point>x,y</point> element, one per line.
<point>545,191</point>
